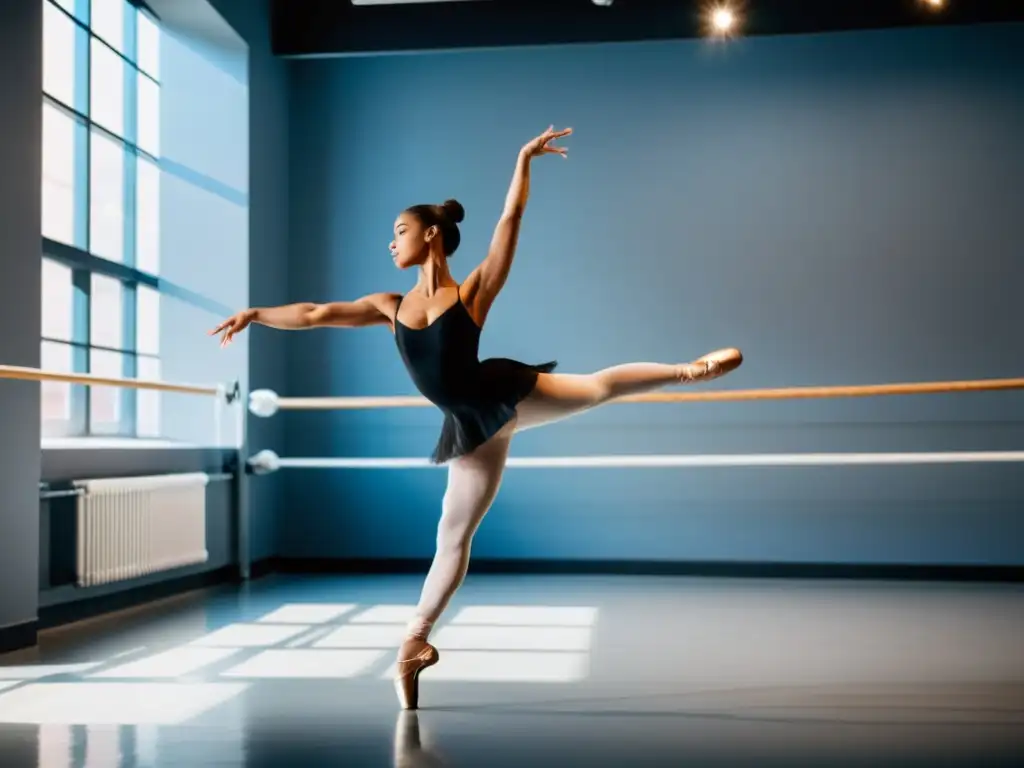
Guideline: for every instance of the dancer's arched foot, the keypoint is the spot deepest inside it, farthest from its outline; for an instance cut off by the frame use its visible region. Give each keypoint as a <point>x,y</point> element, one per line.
<point>711,366</point>
<point>413,658</point>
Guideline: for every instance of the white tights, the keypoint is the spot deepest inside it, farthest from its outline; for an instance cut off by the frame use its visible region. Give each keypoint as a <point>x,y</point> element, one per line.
<point>474,479</point>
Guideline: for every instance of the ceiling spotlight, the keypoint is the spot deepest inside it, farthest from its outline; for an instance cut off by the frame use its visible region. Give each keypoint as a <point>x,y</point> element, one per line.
<point>935,5</point>
<point>722,20</point>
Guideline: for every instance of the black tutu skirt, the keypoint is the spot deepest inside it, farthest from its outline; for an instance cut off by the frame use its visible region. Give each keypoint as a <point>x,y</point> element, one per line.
<point>503,383</point>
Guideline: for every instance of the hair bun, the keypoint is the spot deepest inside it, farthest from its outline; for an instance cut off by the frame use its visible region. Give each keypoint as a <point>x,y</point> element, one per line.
<point>453,210</point>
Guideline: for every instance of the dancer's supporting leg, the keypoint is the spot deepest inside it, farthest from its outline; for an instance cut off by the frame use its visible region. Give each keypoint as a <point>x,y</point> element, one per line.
<point>473,482</point>
<point>560,395</point>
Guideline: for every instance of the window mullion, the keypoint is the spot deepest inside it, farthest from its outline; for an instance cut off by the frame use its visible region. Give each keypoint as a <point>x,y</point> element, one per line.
<point>130,366</point>
<point>81,281</point>
<point>83,96</point>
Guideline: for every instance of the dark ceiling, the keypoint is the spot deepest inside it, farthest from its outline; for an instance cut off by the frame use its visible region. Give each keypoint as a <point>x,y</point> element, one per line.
<point>337,27</point>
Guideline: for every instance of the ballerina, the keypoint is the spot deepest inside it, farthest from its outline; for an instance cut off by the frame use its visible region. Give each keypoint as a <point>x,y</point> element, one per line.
<point>437,328</point>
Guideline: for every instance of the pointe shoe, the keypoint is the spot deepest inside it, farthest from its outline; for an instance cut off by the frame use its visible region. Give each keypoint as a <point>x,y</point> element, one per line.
<point>716,364</point>
<point>407,677</point>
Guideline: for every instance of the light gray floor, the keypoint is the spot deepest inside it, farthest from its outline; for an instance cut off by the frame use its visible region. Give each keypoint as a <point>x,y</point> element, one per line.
<point>534,671</point>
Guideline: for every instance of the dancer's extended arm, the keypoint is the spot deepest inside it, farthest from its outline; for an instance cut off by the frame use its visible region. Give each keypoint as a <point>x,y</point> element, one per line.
<point>374,309</point>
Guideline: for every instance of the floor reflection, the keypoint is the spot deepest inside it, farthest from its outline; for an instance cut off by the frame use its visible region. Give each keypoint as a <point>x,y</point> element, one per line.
<point>413,748</point>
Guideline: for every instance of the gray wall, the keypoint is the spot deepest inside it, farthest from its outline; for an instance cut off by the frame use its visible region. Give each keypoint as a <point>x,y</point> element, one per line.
<point>20,157</point>
<point>204,201</point>
<point>844,208</point>
<point>268,244</point>
<point>268,256</point>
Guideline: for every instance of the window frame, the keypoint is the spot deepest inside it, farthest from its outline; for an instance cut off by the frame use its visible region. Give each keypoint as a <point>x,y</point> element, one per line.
<point>80,260</point>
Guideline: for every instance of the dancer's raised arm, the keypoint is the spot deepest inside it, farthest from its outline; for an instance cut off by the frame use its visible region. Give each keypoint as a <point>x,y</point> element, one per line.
<point>484,284</point>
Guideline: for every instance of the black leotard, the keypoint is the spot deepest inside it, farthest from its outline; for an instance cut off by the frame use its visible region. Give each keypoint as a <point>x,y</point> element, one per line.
<point>477,397</point>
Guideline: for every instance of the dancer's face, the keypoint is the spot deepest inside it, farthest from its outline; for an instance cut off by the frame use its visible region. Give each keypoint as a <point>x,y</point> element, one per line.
<point>411,245</point>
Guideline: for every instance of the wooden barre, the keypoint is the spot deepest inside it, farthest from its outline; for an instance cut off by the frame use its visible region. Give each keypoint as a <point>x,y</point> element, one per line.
<point>35,374</point>
<point>783,393</point>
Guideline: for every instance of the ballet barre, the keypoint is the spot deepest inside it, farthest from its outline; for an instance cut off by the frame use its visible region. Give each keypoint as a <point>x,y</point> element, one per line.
<point>266,461</point>
<point>228,393</point>
<point>265,402</point>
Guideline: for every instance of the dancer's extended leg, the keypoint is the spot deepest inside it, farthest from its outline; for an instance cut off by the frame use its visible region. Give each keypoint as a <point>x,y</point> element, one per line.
<point>473,482</point>
<point>560,395</point>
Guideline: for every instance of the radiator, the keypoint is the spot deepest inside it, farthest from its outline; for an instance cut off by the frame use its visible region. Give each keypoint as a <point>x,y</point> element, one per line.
<point>132,526</point>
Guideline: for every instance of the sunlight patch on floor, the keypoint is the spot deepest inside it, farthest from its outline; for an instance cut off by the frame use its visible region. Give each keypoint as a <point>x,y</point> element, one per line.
<point>168,664</point>
<point>306,663</point>
<point>250,635</point>
<point>308,613</point>
<point>113,703</point>
<point>485,644</point>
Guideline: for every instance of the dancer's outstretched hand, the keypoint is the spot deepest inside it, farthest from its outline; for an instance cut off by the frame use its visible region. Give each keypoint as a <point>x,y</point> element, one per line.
<point>542,146</point>
<point>234,324</point>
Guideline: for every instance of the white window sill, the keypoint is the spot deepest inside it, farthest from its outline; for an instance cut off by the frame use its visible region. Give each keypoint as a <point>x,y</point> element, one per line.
<point>129,443</point>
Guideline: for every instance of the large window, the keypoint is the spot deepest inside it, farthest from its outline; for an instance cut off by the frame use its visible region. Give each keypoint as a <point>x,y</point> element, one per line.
<point>101,214</point>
